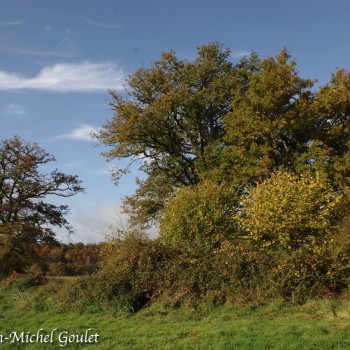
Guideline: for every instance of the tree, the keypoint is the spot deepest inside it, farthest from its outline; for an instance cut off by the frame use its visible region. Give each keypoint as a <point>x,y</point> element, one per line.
<point>173,111</point>
<point>232,124</point>
<point>330,149</point>
<point>270,123</point>
<point>26,218</point>
<point>210,119</point>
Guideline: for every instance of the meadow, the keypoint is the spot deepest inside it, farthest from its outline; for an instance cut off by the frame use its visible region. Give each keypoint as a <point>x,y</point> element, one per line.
<point>318,324</point>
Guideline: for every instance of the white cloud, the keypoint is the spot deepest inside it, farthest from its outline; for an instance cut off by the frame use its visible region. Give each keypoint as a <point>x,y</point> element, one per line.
<point>93,225</point>
<point>57,54</point>
<point>101,24</point>
<point>82,133</point>
<point>97,223</point>
<point>77,77</point>
<point>240,53</point>
<point>106,171</point>
<point>321,2</point>
<point>71,165</point>
<point>67,44</point>
<point>65,49</point>
<point>11,23</point>
<point>13,110</point>
<point>47,29</point>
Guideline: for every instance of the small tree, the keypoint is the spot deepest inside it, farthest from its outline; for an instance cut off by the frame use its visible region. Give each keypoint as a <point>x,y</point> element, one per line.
<point>25,217</point>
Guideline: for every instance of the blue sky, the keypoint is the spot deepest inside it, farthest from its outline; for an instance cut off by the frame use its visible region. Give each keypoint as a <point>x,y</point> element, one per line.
<point>58,59</point>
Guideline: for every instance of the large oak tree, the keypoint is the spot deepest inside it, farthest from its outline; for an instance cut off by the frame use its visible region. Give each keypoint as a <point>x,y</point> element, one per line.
<point>171,113</point>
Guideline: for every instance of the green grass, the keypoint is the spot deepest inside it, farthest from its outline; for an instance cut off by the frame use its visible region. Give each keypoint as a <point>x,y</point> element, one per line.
<point>315,325</point>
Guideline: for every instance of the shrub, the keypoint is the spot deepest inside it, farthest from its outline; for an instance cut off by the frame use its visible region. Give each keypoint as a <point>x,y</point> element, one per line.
<point>289,211</point>
<point>199,216</point>
<point>138,272</point>
<point>130,277</point>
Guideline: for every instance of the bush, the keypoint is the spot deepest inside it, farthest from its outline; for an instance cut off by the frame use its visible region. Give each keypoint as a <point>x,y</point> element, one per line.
<point>200,216</point>
<point>130,277</point>
<point>307,273</point>
<point>289,211</point>
<point>138,272</point>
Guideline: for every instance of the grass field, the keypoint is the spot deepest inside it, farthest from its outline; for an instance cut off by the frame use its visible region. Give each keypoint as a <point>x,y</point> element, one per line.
<point>316,325</point>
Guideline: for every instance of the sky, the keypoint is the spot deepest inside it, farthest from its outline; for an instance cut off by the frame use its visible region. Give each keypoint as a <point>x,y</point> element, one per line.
<point>59,59</point>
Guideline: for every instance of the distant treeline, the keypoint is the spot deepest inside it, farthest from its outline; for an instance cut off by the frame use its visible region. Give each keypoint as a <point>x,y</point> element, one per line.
<point>73,259</point>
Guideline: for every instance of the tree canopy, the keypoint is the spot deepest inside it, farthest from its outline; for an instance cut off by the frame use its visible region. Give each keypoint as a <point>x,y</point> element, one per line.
<point>26,218</point>
<point>232,123</point>
<point>173,111</point>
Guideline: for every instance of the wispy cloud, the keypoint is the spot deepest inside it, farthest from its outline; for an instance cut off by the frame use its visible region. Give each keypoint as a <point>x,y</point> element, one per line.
<point>240,53</point>
<point>82,133</point>
<point>106,171</point>
<point>11,23</point>
<point>65,49</point>
<point>71,165</point>
<point>48,29</point>
<point>101,24</point>
<point>13,110</point>
<point>77,77</point>
<point>321,2</point>
<point>96,224</point>
<point>56,54</point>
<point>93,225</point>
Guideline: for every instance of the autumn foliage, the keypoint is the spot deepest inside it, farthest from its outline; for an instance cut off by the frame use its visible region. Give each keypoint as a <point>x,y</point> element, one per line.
<point>246,174</point>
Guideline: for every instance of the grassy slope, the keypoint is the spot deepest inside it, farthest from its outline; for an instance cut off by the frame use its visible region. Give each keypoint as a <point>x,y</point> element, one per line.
<point>316,325</point>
